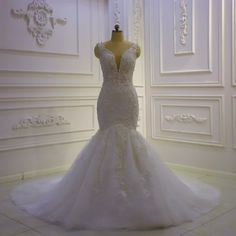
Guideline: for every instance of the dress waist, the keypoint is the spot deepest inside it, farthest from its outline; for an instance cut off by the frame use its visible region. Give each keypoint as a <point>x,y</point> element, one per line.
<point>115,81</point>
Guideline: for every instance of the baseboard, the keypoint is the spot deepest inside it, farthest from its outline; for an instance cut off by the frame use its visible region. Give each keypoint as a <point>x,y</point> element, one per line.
<point>33,174</point>
<point>10,178</point>
<point>197,170</point>
<point>61,169</point>
<point>51,171</point>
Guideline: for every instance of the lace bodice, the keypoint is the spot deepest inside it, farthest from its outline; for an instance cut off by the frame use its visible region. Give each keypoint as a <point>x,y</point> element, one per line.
<point>117,102</point>
<point>112,72</point>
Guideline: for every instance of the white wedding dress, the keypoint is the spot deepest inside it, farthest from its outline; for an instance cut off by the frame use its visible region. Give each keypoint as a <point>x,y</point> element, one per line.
<point>118,180</point>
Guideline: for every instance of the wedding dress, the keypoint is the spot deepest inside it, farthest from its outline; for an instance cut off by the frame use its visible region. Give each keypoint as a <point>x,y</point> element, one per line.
<point>118,180</point>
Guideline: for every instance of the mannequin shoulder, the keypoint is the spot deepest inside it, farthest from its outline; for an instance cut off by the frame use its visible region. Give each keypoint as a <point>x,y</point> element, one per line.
<point>138,49</point>
<point>96,51</point>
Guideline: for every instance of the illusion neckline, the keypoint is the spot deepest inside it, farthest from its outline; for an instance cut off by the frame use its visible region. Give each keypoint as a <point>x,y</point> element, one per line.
<point>118,68</point>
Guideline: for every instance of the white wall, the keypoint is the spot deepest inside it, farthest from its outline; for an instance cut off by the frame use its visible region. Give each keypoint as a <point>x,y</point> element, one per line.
<point>190,87</point>
<point>49,88</point>
<point>48,92</point>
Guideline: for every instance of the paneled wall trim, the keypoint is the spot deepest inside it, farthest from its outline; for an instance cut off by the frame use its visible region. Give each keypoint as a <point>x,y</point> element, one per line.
<point>39,19</point>
<point>184,38</point>
<point>182,47</point>
<point>33,122</point>
<point>189,119</point>
<point>63,56</point>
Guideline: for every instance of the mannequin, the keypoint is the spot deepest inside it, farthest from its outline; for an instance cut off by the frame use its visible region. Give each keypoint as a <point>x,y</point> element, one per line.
<point>117,45</point>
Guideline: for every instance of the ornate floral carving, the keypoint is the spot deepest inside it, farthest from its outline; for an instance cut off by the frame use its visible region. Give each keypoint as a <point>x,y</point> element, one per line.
<point>41,121</point>
<point>183,22</point>
<point>137,19</point>
<point>185,118</point>
<point>116,12</point>
<point>39,20</point>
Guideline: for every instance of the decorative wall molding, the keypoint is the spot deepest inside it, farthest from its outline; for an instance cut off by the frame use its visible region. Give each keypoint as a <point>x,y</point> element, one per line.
<point>208,66</point>
<point>37,79</point>
<point>185,118</point>
<point>39,19</point>
<point>137,20</point>
<point>184,22</point>
<point>186,125</point>
<point>41,120</point>
<point>184,41</point>
<point>190,119</point>
<point>197,63</point>
<point>41,130</point>
<point>43,140</point>
<point>116,12</point>
<point>135,26</point>
<point>67,59</point>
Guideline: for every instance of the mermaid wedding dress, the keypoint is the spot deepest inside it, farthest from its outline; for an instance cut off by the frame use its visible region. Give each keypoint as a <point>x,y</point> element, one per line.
<point>118,180</point>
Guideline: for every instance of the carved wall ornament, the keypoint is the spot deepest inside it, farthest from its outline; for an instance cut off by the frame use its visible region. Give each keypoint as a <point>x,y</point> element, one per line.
<point>116,13</point>
<point>41,121</point>
<point>183,22</point>
<point>185,118</point>
<point>40,21</point>
<point>137,20</point>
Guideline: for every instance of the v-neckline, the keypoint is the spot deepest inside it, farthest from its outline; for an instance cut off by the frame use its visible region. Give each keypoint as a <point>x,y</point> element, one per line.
<point>114,57</point>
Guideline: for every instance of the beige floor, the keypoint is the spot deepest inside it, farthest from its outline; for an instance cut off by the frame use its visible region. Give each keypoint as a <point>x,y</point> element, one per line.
<point>219,222</point>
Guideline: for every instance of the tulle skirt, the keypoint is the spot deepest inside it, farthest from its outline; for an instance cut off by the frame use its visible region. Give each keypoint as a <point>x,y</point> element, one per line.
<point>116,182</point>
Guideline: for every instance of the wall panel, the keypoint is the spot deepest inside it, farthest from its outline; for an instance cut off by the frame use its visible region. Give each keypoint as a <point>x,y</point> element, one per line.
<point>67,53</point>
<point>43,121</point>
<point>183,49</point>
<point>189,119</point>
<point>49,81</point>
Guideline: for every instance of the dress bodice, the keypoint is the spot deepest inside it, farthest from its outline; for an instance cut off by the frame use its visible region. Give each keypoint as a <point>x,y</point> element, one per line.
<point>117,102</point>
<point>111,71</point>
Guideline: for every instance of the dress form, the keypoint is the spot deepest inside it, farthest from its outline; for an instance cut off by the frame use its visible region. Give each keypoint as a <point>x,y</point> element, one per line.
<point>117,45</point>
